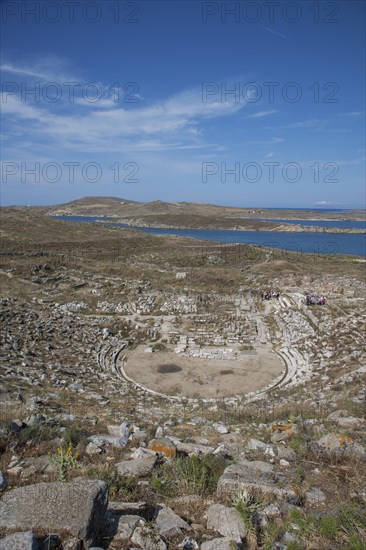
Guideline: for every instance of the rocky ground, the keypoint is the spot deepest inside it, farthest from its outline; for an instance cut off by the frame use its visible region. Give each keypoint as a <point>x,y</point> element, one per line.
<point>93,456</point>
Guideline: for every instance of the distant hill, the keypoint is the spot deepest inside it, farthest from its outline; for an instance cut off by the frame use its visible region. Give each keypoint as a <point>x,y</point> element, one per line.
<point>126,208</point>
<point>187,214</point>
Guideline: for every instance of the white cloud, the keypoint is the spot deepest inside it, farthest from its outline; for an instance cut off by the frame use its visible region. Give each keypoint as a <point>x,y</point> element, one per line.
<point>261,114</point>
<point>170,124</point>
<point>327,203</point>
<point>309,123</point>
<point>50,68</point>
<point>11,105</point>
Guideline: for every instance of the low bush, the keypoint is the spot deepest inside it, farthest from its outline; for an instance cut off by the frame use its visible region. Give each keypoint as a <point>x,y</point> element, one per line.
<point>189,475</point>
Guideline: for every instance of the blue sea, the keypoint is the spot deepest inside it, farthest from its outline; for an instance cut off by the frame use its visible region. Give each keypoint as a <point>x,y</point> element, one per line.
<point>309,243</point>
<point>357,224</point>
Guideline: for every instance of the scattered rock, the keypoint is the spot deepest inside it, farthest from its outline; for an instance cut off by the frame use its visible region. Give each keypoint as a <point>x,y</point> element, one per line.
<point>190,448</point>
<point>159,432</point>
<point>106,332</point>
<point>94,449</point>
<point>315,496</point>
<point>72,544</point>
<point>188,544</point>
<point>104,439</point>
<point>221,544</point>
<point>272,511</point>
<point>20,541</point>
<point>137,435</point>
<point>257,445</point>
<point>126,525</point>
<point>351,422</point>
<point>282,431</point>
<point>122,430</point>
<point>39,465</point>
<point>169,524</point>
<point>164,446</point>
<point>220,428</point>
<point>32,403</point>
<point>286,453</point>
<point>34,419</point>
<point>138,467</point>
<point>148,539</point>
<point>131,508</point>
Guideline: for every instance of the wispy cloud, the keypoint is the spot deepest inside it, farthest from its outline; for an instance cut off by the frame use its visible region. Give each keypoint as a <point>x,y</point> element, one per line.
<point>261,114</point>
<point>272,141</point>
<point>46,69</point>
<point>174,123</point>
<point>308,123</point>
<point>352,114</point>
<point>276,33</point>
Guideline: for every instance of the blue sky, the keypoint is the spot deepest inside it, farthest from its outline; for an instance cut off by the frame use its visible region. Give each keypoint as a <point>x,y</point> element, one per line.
<point>239,103</point>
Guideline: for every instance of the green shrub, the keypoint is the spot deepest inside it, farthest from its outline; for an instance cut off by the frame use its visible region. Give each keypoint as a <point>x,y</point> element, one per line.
<point>118,486</point>
<point>346,529</point>
<point>190,475</point>
<point>328,526</point>
<point>159,346</point>
<point>74,436</point>
<point>37,432</point>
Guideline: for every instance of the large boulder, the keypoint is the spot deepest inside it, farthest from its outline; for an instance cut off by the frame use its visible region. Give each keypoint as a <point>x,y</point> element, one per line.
<point>138,467</point>
<point>190,448</point>
<point>341,444</point>
<point>226,521</point>
<point>76,507</point>
<point>252,475</point>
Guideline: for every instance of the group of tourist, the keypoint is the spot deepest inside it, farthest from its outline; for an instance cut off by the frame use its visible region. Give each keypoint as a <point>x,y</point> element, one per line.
<point>269,294</point>
<point>311,299</point>
<point>315,300</point>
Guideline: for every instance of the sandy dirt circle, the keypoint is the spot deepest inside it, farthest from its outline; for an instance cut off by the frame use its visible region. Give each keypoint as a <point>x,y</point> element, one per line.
<point>169,373</point>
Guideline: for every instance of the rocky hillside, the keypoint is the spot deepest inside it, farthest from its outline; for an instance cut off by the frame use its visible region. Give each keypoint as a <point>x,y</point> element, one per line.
<point>92,458</point>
